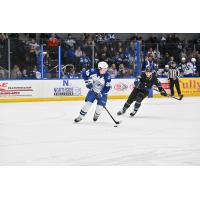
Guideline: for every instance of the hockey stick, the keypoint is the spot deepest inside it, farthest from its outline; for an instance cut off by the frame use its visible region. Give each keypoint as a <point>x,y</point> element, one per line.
<point>116,122</point>
<point>180,98</point>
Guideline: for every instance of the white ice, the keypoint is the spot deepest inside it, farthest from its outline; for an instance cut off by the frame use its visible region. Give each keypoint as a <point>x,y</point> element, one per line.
<point>164,132</point>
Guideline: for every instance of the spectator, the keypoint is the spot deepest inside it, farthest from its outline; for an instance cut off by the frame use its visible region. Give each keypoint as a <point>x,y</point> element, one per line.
<point>149,62</point>
<point>25,74</point>
<point>113,71</point>
<point>85,61</point>
<point>182,66</point>
<point>123,72</point>
<point>34,48</point>
<point>190,69</point>
<point>171,61</point>
<point>165,72</point>
<point>118,58</point>
<point>3,73</point>
<point>78,52</point>
<point>16,73</point>
<point>151,52</point>
<point>69,41</point>
<point>53,41</point>
<point>166,59</point>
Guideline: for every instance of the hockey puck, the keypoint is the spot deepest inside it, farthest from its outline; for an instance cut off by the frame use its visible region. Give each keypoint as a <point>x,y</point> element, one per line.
<point>115,126</point>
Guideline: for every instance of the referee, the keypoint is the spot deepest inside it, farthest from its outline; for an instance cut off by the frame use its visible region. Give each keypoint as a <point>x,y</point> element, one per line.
<point>173,75</point>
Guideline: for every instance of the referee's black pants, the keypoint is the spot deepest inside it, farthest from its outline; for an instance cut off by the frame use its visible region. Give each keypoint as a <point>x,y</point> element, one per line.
<point>176,83</point>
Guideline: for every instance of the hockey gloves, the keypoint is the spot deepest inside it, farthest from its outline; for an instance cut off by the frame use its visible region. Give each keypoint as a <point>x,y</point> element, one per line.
<point>89,84</point>
<point>163,92</point>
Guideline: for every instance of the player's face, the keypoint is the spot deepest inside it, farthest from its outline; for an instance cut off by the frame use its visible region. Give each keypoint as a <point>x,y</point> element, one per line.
<point>103,70</point>
<point>148,74</point>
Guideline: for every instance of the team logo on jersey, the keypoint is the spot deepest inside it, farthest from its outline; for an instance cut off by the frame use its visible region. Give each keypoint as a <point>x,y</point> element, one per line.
<point>120,86</point>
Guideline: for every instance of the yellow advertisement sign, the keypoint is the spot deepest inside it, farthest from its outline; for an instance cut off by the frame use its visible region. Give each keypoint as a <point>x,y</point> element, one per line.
<point>190,86</point>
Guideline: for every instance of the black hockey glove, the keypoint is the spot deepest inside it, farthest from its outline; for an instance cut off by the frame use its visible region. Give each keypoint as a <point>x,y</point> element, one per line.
<point>163,92</point>
<point>89,84</point>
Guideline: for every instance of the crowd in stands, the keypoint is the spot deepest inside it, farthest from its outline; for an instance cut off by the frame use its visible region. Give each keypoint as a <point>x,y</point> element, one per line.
<point>87,50</point>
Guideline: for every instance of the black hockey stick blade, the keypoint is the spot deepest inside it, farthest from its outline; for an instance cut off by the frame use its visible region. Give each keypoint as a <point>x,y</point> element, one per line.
<point>116,122</point>
<point>178,98</point>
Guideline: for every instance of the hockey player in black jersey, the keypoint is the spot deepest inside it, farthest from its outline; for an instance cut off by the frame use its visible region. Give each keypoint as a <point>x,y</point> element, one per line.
<point>142,85</point>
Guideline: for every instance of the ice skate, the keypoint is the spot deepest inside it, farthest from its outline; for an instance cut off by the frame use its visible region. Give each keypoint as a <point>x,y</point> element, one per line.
<point>78,119</point>
<point>95,118</point>
<point>121,112</point>
<point>133,113</point>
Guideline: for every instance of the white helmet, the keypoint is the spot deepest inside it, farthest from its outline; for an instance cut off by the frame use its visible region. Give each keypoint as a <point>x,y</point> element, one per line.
<point>167,66</point>
<point>102,65</point>
<point>193,60</point>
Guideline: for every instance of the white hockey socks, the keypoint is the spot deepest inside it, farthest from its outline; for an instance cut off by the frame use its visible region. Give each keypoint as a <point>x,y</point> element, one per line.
<point>85,109</point>
<point>98,111</point>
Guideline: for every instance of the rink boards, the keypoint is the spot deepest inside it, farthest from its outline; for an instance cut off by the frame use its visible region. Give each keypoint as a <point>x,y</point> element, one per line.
<point>74,89</point>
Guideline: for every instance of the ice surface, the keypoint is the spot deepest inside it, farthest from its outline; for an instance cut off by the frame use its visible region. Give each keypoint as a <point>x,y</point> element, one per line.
<point>163,132</point>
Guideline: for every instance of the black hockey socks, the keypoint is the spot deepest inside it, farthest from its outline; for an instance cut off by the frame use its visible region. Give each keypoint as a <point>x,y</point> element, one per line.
<point>137,105</point>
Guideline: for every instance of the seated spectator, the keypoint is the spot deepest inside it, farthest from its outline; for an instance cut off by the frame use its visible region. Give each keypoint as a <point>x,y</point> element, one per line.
<point>120,47</point>
<point>190,69</point>
<point>128,59</point>
<point>113,71</point>
<point>165,71</point>
<point>25,74</point>
<point>16,73</point>
<point>182,66</point>
<point>166,59</point>
<point>78,52</point>
<point>3,73</point>
<point>122,72</point>
<point>118,58</point>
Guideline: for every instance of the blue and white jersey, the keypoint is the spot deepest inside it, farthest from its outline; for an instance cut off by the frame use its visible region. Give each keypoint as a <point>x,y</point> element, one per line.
<point>189,69</point>
<point>151,64</point>
<point>101,83</point>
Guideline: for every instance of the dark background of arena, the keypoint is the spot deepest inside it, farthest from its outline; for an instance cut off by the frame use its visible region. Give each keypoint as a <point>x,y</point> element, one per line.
<point>21,51</point>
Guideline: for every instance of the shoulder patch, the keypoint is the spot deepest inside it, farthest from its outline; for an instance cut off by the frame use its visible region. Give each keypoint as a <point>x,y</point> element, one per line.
<point>92,70</point>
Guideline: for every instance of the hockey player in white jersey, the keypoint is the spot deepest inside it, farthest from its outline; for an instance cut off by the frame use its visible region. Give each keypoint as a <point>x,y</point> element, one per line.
<point>98,82</point>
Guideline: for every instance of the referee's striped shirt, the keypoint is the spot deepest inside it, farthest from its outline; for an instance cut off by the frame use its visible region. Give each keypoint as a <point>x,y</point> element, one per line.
<point>173,73</point>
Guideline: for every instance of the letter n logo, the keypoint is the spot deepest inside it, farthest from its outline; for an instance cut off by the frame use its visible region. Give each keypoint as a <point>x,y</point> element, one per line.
<point>65,83</point>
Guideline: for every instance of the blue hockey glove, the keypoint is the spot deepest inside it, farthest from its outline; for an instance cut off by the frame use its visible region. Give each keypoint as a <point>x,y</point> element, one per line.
<point>89,84</point>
